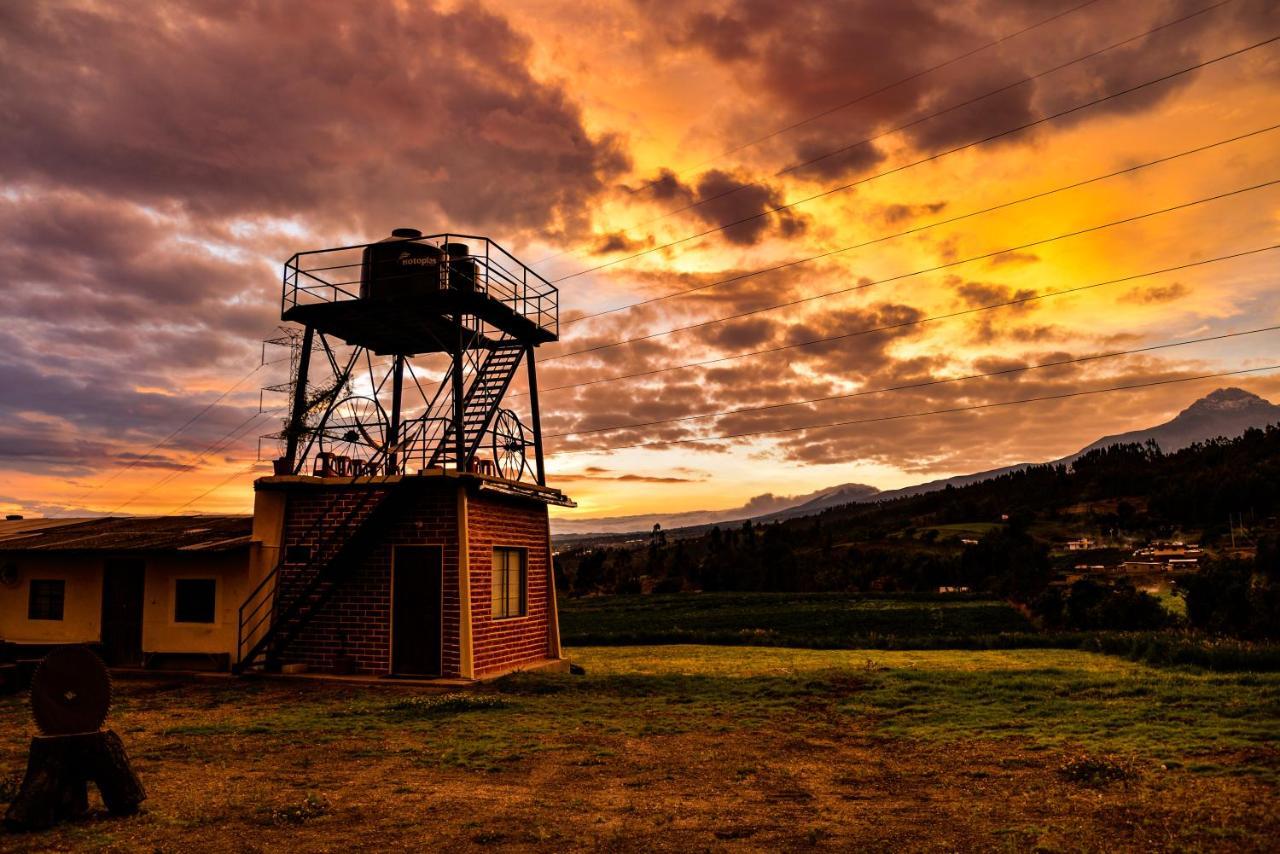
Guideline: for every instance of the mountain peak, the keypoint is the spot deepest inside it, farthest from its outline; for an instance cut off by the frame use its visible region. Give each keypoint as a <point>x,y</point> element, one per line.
<point>1227,400</point>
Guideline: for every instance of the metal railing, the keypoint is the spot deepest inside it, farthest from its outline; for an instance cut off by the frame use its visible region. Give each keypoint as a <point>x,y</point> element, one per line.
<point>334,275</point>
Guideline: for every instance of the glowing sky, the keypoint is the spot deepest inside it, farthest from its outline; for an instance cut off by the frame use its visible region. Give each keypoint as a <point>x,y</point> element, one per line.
<point>158,164</point>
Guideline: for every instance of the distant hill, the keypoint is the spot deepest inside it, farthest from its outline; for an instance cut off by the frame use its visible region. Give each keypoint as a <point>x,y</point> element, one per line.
<point>1226,412</point>
<point>766,506</point>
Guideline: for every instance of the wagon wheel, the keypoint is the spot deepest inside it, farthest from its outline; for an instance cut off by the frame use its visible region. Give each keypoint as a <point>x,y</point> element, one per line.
<point>508,445</point>
<point>357,428</point>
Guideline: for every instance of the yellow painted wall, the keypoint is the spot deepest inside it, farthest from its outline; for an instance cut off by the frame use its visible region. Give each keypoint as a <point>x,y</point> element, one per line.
<point>82,610</point>
<point>82,607</point>
<point>160,633</point>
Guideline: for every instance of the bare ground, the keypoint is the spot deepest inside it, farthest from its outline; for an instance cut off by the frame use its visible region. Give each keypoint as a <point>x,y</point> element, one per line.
<point>272,766</point>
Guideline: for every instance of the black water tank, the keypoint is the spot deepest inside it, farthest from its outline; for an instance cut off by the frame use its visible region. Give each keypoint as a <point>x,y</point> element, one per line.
<point>462,267</point>
<point>397,267</point>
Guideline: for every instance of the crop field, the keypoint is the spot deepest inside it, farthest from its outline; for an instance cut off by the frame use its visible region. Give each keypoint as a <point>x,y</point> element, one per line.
<point>684,747</point>
<point>830,620</point>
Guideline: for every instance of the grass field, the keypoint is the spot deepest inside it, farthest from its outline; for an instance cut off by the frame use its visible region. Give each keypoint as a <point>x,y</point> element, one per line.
<point>822,620</point>
<point>704,748</point>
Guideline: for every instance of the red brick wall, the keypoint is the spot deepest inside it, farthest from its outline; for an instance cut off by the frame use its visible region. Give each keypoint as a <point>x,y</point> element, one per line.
<point>358,615</point>
<point>497,521</point>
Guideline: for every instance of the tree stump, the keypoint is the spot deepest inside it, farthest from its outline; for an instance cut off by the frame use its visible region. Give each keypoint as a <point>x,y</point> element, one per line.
<point>59,770</point>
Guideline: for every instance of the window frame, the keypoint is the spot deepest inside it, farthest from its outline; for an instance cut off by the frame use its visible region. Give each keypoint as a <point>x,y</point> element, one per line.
<point>500,577</point>
<point>213,604</point>
<point>61,599</point>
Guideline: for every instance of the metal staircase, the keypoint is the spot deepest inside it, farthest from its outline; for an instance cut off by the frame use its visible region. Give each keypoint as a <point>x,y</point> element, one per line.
<point>489,382</point>
<point>272,616</point>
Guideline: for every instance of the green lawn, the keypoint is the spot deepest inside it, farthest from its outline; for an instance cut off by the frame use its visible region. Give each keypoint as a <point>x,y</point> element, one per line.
<point>682,747</point>
<point>831,620</point>
<point>1051,698</point>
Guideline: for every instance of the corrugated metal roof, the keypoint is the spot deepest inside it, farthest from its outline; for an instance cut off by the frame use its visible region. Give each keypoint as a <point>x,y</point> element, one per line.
<point>131,534</point>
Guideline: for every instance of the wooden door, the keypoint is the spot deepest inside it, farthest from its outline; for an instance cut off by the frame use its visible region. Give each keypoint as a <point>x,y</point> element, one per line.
<point>122,592</point>
<point>417,576</point>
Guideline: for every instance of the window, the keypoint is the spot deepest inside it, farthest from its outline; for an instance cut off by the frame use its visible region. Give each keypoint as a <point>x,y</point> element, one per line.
<point>508,583</point>
<point>193,600</point>
<point>47,596</point>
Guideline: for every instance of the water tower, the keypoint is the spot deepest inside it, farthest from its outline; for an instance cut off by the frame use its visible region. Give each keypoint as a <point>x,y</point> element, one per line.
<point>405,531</point>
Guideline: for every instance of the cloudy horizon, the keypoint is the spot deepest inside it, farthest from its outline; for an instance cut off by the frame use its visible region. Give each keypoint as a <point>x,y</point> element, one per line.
<point>160,162</point>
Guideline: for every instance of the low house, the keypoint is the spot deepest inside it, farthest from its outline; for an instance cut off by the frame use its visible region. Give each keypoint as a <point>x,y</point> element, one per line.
<point>435,574</point>
<point>145,591</point>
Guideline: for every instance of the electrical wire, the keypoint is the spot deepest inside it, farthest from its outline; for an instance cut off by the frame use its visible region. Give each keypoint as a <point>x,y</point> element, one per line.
<point>220,444</point>
<point>906,323</point>
<point>215,488</point>
<point>933,269</point>
<point>843,106</point>
<point>944,381</point>
<point>872,93</point>
<point>933,157</point>
<point>190,421</point>
<point>928,117</point>
<point>903,416</point>
<point>926,227</point>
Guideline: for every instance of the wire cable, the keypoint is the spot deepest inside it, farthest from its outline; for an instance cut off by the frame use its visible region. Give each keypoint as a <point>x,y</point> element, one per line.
<point>927,226</point>
<point>1076,360</point>
<point>835,109</point>
<point>933,157</point>
<point>214,488</point>
<point>933,269</point>
<point>907,415</point>
<point>220,444</point>
<point>192,420</point>
<point>927,117</point>
<point>906,323</point>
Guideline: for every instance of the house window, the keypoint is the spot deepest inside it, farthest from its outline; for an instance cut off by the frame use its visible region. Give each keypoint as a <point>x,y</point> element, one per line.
<point>47,596</point>
<point>508,583</point>
<point>193,600</point>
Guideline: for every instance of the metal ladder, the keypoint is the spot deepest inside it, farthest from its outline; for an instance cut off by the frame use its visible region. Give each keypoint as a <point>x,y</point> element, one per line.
<point>488,384</point>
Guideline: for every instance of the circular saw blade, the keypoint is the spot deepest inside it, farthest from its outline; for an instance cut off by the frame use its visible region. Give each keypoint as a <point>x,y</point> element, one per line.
<point>70,691</point>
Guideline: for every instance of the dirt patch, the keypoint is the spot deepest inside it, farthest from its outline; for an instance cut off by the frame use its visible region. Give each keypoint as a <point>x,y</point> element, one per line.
<point>624,766</point>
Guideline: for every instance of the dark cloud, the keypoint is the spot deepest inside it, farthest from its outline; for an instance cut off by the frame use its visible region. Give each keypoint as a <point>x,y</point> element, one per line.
<point>1155,293</point>
<point>391,116</point>
<point>809,59</point>
<point>719,198</point>
<point>896,214</point>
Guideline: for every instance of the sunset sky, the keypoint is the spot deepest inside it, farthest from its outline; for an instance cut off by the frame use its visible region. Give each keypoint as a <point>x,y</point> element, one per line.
<point>159,163</point>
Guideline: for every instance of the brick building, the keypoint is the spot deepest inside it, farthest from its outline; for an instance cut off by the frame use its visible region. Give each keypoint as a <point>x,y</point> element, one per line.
<point>439,573</point>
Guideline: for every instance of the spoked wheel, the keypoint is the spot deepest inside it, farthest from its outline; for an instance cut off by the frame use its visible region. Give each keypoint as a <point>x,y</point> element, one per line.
<point>509,443</point>
<point>357,429</point>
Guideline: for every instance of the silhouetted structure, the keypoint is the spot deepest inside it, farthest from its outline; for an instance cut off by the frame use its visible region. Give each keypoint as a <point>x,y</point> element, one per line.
<point>409,519</point>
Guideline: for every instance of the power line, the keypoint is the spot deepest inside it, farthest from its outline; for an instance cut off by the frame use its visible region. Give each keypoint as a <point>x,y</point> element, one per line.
<point>1053,117</point>
<point>921,228</point>
<point>842,336</point>
<point>933,269</point>
<point>192,420</point>
<point>215,488</point>
<point>220,444</point>
<point>843,106</point>
<point>1004,372</point>
<point>903,416</point>
<point>930,116</point>
<point>880,91</point>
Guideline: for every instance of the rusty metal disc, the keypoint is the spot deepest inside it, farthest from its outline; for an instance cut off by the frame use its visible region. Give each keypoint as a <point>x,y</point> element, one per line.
<point>70,691</point>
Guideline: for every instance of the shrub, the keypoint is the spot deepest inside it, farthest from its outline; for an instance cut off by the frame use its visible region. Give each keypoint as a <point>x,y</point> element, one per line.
<point>311,807</point>
<point>445,704</point>
<point>1097,771</point>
